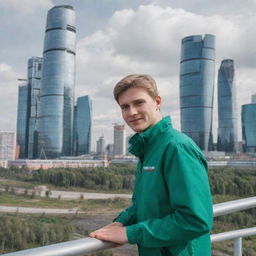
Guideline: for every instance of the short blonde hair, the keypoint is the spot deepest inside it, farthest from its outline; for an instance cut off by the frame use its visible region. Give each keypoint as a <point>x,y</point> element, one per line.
<point>145,82</point>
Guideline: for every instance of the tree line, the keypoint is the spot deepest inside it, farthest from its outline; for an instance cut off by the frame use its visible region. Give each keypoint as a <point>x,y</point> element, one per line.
<point>223,180</point>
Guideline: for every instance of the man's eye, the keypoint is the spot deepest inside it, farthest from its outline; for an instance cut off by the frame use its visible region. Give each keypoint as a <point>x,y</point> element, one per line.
<point>124,107</point>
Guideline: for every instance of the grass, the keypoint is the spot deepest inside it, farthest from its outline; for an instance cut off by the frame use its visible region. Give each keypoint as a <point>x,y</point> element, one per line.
<point>30,185</point>
<point>11,199</point>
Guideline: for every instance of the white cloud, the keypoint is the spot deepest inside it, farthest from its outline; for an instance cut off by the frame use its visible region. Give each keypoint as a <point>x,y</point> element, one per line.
<point>8,97</point>
<point>148,40</point>
<point>25,6</point>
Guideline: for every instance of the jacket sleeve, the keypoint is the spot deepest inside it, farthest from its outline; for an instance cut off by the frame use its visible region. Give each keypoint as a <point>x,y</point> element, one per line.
<point>185,173</point>
<point>128,216</point>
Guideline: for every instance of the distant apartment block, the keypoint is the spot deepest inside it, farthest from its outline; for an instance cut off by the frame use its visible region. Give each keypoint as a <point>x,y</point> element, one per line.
<point>119,140</point>
<point>227,108</point>
<point>197,68</point>
<point>53,163</point>
<point>7,145</point>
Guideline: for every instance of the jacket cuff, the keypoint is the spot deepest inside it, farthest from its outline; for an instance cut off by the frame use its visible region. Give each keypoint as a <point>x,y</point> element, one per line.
<point>120,219</point>
<point>132,233</point>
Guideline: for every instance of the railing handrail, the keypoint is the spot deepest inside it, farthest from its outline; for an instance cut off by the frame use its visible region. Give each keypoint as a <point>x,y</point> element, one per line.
<point>87,245</point>
<point>230,235</point>
<point>71,248</point>
<point>234,206</point>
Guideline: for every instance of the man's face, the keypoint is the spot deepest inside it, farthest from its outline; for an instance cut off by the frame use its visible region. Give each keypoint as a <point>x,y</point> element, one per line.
<point>139,110</point>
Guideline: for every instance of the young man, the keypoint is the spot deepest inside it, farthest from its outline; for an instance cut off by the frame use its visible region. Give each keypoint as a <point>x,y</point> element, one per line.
<point>171,211</point>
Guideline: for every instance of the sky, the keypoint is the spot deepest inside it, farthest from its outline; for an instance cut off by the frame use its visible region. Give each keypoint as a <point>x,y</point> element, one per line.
<point>119,37</point>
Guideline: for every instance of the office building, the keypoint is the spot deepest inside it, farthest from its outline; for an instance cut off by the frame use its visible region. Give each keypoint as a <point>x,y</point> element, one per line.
<point>197,69</point>
<point>34,83</point>
<point>249,127</point>
<point>227,131</point>
<point>22,117</point>
<point>28,104</point>
<point>55,121</point>
<point>100,147</point>
<point>82,126</point>
<point>7,145</point>
<point>119,140</point>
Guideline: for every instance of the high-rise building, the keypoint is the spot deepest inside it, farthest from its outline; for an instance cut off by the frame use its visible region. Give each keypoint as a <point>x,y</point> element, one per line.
<point>82,124</point>
<point>7,145</point>
<point>248,126</point>
<point>100,147</point>
<point>34,83</point>
<point>227,131</point>
<point>197,69</point>
<point>119,139</point>
<point>28,105</point>
<point>22,117</point>
<point>55,125</point>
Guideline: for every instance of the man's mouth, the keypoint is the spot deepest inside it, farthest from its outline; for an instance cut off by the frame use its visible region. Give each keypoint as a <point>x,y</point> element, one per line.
<point>135,120</point>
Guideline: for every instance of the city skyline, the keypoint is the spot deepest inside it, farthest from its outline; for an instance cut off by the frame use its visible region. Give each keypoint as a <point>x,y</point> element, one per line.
<point>105,53</point>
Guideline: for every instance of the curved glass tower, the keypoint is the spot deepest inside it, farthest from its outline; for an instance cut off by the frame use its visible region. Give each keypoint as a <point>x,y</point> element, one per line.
<point>197,68</point>
<point>227,132</point>
<point>249,127</point>
<point>57,89</point>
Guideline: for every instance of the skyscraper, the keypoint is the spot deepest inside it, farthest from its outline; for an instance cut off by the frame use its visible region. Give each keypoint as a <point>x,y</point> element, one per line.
<point>227,132</point>
<point>34,84</point>
<point>22,118</point>
<point>248,126</point>
<point>57,89</point>
<point>82,124</point>
<point>119,139</point>
<point>197,87</point>
<point>100,145</point>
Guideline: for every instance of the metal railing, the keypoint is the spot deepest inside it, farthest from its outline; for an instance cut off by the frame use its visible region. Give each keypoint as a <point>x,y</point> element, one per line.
<point>88,245</point>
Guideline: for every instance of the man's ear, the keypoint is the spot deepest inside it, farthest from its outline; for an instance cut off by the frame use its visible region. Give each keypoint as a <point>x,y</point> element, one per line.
<point>158,101</point>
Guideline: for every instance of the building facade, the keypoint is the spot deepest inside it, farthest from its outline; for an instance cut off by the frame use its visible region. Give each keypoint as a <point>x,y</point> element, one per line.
<point>55,125</point>
<point>197,69</point>
<point>34,84</point>
<point>100,147</point>
<point>227,112</point>
<point>249,127</point>
<point>119,140</point>
<point>22,117</point>
<point>7,145</point>
<point>82,126</point>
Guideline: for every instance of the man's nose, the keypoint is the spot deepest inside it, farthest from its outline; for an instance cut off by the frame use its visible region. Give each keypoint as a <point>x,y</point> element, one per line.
<point>133,111</point>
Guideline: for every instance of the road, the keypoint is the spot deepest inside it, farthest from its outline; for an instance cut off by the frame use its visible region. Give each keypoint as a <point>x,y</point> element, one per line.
<point>66,195</point>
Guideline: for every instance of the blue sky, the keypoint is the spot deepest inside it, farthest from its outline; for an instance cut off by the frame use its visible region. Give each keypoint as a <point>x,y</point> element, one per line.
<point>119,37</point>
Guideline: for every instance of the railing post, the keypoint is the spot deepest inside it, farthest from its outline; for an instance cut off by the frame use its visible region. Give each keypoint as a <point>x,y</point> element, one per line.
<point>238,247</point>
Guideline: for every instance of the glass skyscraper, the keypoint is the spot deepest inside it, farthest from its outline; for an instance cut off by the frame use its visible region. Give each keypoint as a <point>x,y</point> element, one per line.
<point>82,126</point>
<point>197,69</point>
<point>227,131</point>
<point>34,83</point>
<point>55,125</point>
<point>22,118</point>
<point>248,126</point>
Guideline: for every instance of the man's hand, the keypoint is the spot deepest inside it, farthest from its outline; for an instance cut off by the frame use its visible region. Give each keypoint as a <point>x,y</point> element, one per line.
<point>114,232</point>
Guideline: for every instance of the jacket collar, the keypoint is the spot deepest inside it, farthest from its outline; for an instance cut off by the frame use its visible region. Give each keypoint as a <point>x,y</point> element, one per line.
<point>139,141</point>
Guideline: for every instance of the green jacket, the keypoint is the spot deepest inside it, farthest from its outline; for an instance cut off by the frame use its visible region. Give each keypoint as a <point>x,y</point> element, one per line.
<point>171,212</point>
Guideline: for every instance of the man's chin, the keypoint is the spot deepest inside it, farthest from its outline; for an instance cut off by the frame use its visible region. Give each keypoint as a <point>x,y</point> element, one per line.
<point>138,129</point>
